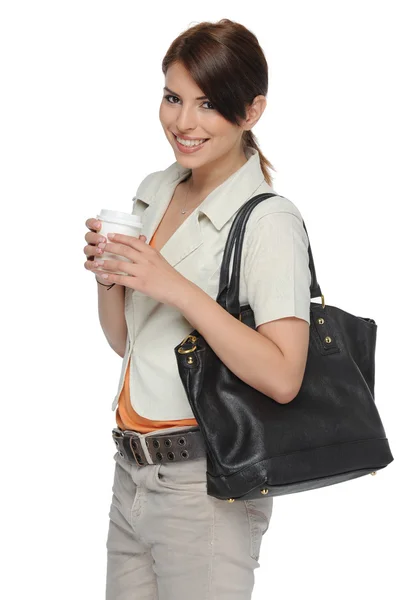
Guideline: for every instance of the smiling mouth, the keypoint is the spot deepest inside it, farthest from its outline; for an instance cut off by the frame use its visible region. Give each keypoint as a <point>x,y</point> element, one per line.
<point>194,140</point>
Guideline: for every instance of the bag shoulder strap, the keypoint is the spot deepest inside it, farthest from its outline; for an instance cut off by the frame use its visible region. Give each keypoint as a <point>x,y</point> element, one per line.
<point>228,295</point>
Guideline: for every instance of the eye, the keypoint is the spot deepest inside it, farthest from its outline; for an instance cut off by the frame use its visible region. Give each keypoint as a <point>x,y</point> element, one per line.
<point>170,96</point>
<point>167,96</point>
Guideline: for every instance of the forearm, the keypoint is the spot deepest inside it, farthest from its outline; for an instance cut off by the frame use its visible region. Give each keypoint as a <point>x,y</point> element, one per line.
<point>111,310</point>
<point>251,356</point>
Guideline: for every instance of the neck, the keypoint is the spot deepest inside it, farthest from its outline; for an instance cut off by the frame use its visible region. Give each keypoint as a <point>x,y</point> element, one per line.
<point>208,177</point>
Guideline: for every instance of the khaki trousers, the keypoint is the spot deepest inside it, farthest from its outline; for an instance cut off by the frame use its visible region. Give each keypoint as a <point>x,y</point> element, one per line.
<point>169,540</point>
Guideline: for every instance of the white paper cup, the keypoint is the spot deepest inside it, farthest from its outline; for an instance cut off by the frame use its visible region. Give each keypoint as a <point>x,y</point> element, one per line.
<point>115,221</point>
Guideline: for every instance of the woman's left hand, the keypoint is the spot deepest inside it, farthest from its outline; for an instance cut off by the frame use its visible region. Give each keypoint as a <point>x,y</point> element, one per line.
<point>148,271</point>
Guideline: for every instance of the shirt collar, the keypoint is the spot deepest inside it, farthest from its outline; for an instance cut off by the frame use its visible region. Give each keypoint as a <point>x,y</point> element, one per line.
<point>221,204</point>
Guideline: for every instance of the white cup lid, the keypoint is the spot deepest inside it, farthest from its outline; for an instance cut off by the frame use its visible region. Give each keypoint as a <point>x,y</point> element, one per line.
<point>117,216</point>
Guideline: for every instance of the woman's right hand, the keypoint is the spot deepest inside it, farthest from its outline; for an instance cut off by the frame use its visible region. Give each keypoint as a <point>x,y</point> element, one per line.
<point>93,239</point>
<point>91,250</point>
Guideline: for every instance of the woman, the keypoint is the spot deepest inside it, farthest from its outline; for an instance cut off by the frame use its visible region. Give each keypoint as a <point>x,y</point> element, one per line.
<point>167,538</point>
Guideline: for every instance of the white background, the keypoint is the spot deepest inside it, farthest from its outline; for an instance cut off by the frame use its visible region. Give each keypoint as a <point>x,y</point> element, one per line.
<point>81,88</point>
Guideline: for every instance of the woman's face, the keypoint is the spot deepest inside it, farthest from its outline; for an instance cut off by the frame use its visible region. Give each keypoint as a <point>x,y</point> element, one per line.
<point>185,113</point>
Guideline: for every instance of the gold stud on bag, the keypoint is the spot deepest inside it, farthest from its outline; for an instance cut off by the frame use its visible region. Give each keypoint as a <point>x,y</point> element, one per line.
<point>336,433</point>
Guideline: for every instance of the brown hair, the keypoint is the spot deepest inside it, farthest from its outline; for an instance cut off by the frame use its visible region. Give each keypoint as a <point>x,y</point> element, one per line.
<point>227,63</point>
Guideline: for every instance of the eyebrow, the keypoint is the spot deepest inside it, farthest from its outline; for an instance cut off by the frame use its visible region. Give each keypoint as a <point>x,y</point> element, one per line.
<point>175,94</point>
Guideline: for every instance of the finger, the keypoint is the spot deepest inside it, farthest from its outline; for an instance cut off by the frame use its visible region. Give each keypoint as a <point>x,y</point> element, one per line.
<point>93,224</point>
<point>92,250</point>
<point>94,238</point>
<point>114,265</point>
<point>90,265</point>
<point>126,280</point>
<point>126,251</point>
<point>129,240</point>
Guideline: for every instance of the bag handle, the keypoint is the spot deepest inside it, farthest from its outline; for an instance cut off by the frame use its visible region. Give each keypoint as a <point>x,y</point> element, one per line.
<point>228,295</point>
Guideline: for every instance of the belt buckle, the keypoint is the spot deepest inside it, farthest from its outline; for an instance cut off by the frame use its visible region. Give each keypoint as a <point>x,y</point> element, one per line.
<point>117,433</point>
<point>134,453</point>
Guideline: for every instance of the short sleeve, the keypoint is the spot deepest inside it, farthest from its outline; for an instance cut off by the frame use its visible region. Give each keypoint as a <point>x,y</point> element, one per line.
<point>276,268</point>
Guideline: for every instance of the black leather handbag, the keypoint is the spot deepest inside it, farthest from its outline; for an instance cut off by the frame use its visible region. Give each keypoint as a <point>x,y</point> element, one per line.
<point>331,432</point>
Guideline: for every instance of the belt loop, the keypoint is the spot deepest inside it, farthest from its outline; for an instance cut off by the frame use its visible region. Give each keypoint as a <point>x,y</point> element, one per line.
<point>141,437</point>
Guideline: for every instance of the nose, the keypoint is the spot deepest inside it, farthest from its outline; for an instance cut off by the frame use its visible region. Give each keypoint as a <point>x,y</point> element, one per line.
<point>187,119</point>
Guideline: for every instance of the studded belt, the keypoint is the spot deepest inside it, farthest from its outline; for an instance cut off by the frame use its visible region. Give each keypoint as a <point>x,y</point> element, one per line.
<point>162,448</point>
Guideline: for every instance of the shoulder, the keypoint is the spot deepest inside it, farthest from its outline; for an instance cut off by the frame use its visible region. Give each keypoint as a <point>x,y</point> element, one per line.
<point>276,261</point>
<point>149,185</point>
<point>272,206</point>
<point>275,218</point>
<point>147,191</point>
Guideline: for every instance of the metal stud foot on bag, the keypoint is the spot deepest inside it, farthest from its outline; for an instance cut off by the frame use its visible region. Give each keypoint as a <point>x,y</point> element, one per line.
<point>264,491</point>
<point>230,500</point>
<point>373,473</point>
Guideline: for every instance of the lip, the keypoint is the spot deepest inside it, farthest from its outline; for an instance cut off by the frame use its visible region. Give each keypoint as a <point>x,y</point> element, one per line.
<point>186,137</point>
<point>188,150</point>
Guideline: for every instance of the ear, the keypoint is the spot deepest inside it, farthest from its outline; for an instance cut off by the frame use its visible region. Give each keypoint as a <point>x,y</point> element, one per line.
<point>254,112</point>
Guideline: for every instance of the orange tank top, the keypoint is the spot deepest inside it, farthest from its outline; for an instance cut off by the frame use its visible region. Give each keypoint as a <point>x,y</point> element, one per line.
<point>126,416</point>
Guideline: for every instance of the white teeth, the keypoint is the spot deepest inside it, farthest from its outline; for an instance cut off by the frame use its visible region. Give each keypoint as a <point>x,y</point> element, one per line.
<point>189,142</point>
